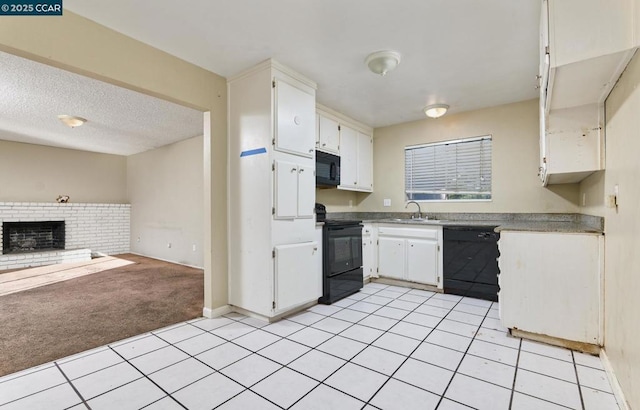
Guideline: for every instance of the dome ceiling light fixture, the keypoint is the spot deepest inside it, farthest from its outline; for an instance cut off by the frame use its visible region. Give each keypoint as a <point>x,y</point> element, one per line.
<point>381,62</point>
<point>71,121</point>
<point>435,110</point>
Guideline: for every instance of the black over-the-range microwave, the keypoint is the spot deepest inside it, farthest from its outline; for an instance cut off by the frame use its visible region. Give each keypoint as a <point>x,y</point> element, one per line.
<point>327,169</point>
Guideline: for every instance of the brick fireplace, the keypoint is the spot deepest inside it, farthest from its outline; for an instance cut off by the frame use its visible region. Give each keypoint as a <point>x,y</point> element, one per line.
<point>36,234</point>
<point>21,237</point>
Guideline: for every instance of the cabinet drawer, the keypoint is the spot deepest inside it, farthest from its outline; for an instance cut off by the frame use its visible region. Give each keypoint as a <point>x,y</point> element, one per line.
<point>427,233</point>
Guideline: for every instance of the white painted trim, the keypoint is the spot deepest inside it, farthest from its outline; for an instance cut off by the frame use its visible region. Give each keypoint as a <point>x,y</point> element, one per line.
<point>166,260</point>
<point>342,119</point>
<point>211,313</point>
<point>613,380</point>
<point>273,64</point>
<point>601,287</point>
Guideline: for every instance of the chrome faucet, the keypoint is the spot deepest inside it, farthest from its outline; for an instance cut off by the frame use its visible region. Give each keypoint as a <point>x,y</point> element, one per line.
<point>419,210</point>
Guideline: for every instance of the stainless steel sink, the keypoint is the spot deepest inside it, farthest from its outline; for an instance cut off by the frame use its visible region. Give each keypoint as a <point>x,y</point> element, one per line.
<point>416,220</point>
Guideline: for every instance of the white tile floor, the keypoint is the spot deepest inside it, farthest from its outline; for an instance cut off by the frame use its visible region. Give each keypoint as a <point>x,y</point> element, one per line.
<point>386,347</point>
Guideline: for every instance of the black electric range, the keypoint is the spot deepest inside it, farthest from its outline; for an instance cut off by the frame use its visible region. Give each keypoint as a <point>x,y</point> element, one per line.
<point>342,259</point>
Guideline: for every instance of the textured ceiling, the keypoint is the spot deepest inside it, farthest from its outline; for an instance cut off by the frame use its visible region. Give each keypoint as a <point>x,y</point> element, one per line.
<point>120,121</point>
<point>469,54</point>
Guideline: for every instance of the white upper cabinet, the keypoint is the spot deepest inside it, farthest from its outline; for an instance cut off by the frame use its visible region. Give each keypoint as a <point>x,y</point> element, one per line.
<point>585,29</point>
<point>295,119</point>
<point>365,162</point>
<point>328,135</point>
<point>574,143</point>
<point>354,145</point>
<point>356,160</point>
<point>348,157</point>
<point>584,47</point>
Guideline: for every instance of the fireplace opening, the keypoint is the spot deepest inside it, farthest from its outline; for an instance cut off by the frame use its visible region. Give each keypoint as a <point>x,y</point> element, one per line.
<point>22,237</point>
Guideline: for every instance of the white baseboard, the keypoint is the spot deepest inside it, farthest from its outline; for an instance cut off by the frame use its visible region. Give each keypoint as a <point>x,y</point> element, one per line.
<point>166,260</point>
<point>211,313</point>
<point>613,380</point>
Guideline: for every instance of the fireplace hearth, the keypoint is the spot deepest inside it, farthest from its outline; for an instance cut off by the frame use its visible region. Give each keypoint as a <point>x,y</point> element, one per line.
<point>23,237</point>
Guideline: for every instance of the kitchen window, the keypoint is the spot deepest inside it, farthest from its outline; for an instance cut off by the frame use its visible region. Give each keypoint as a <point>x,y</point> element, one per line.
<point>458,170</point>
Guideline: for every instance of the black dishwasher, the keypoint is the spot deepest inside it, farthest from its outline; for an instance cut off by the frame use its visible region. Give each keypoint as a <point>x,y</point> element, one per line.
<point>470,261</point>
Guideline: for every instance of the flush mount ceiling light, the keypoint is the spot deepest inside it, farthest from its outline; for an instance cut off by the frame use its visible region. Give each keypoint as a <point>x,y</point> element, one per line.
<point>381,62</point>
<point>436,110</point>
<point>71,120</point>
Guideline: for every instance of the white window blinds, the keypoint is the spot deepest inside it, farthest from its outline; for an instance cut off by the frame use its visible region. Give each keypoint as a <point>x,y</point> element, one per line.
<point>456,170</point>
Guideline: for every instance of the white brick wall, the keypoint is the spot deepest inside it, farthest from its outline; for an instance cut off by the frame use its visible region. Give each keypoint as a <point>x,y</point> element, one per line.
<point>27,260</point>
<point>103,228</point>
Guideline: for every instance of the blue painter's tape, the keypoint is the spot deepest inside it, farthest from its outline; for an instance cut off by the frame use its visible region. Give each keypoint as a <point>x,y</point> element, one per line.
<point>253,152</point>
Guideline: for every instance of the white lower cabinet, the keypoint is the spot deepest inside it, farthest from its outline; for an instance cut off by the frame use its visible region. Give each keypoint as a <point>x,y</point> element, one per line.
<point>369,238</point>
<point>391,257</point>
<point>422,260</point>
<point>296,279</point>
<point>411,254</point>
<point>551,284</point>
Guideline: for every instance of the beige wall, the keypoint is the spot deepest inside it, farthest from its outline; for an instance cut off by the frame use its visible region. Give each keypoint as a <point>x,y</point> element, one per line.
<point>36,173</point>
<point>165,189</point>
<point>592,194</point>
<point>337,200</point>
<point>79,45</point>
<point>516,187</point>
<point>622,232</point>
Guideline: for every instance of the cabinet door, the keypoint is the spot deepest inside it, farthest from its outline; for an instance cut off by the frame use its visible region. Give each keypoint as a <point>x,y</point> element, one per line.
<point>367,252</point>
<point>286,190</point>
<point>295,120</point>
<point>296,275</point>
<point>422,261</point>
<point>391,260</point>
<point>306,192</point>
<point>365,162</point>
<point>348,157</point>
<point>329,135</point>
<point>550,284</point>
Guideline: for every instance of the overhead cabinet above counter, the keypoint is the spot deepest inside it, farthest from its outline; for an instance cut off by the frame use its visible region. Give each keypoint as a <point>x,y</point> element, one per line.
<point>584,47</point>
<point>353,142</point>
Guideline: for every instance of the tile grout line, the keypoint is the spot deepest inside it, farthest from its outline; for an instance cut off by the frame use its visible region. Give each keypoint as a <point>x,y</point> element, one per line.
<point>515,375</point>
<point>72,386</point>
<point>212,368</point>
<point>413,351</point>
<point>239,320</point>
<point>407,357</point>
<point>368,315</point>
<point>146,377</point>
<point>461,360</point>
<point>33,394</point>
<point>228,365</point>
<point>347,361</point>
<point>575,369</point>
<point>334,335</point>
